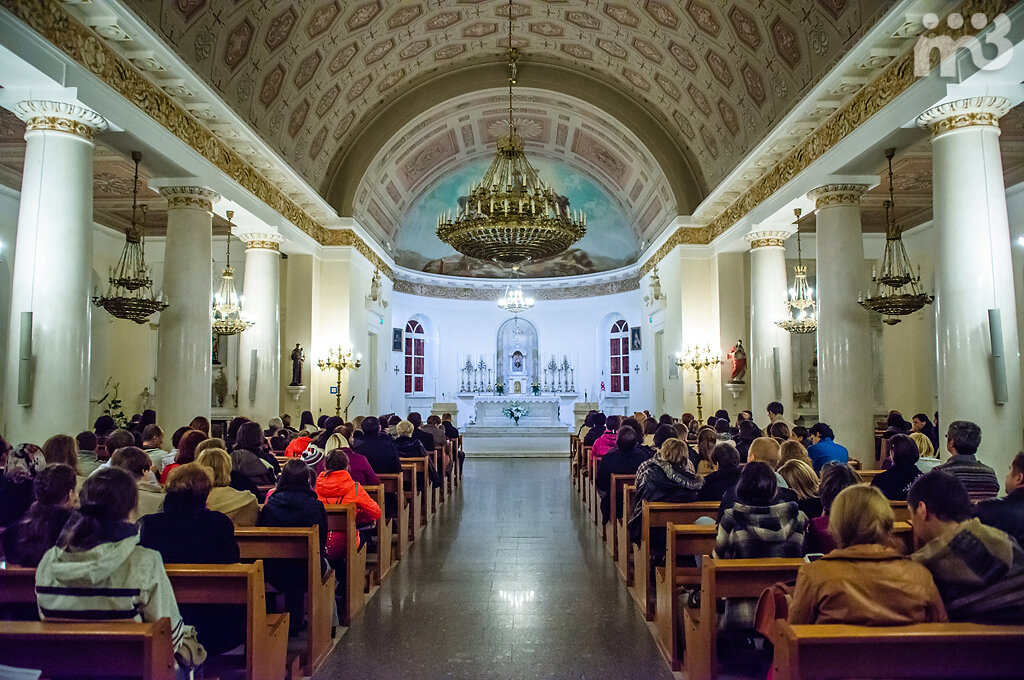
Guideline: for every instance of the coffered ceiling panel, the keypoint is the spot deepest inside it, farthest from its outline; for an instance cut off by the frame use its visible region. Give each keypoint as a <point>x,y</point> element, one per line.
<point>310,76</point>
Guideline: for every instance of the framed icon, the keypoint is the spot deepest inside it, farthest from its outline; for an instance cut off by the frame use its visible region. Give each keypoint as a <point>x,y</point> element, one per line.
<point>635,344</point>
<point>396,339</point>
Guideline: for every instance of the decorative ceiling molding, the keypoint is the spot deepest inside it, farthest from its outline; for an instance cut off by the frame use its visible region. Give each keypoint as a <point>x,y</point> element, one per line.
<point>477,293</point>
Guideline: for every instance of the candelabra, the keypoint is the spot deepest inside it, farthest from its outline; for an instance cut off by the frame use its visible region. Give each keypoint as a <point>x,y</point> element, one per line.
<point>339,360</point>
<point>698,358</point>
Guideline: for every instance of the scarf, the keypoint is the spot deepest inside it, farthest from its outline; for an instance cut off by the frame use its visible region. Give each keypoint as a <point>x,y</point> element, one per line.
<point>24,463</point>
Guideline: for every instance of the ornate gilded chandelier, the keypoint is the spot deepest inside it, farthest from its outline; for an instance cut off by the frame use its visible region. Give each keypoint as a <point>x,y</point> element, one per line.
<point>514,301</point>
<point>510,215</point>
<point>227,315</point>
<point>896,291</point>
<point>801,309</point>
<point>130,292</point>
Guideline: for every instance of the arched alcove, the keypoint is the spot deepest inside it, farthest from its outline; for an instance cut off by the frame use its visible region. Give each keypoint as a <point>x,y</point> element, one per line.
<point>517,336</point>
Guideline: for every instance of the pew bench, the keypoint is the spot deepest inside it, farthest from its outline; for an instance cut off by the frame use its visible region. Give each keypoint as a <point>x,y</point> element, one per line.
<point>394,485</point>
<point>616,509</point>
<point>108,650</point>
<point>414,496</point>
<point>379,564</point>
<point>929,651</point>
<point>624,552</point>
<point>428,494</point>
<point>343,518</point>
<point>684,543</point>
<point>301,543</point>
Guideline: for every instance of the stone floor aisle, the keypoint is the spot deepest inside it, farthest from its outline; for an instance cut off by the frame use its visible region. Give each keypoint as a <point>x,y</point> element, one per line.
<point>510,581</point>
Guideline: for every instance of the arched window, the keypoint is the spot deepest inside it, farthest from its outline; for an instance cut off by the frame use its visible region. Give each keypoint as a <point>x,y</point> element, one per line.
<point>415,356</point>
<point>620,357</point>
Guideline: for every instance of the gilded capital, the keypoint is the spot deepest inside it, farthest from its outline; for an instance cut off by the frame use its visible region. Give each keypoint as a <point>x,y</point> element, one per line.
<point>196,198</point>
<point>983,112</point>
<point>837,194</point>
<point>45,115</point>
<point>261,240</point>
<point>772,238</point>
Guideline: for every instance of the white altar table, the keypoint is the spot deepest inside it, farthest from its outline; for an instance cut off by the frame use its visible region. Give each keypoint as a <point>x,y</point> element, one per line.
<point>539,433</point>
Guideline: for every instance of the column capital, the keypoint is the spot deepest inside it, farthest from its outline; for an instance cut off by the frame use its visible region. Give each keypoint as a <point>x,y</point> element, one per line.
<point>194,197</point>
<point>983,112</point>
<point>57,116</point>
<point>255,240</point>
<point>767,238</point>
<point>831,195</point>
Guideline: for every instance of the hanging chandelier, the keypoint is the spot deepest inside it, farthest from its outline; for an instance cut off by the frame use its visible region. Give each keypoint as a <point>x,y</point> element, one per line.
<point>510,215</point>
<point>130,292</point>
<point>514,301</point>
<point>896,291</point>
<point>227,316</point>
<point>801,309</point>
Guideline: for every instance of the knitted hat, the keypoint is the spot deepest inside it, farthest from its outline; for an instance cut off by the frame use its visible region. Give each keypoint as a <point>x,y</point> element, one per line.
<point>312,455</point>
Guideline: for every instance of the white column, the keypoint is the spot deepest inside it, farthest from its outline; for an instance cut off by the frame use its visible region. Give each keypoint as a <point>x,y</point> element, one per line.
<point>845,399</point>
<point>184,348</point>
<point>52,273</point>
<point>768,305</point>
<point>261,292</point>
<point>973,273</point>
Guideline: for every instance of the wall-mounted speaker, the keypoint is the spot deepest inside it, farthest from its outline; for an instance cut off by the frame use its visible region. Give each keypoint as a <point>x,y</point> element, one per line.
<point>1000,392</point>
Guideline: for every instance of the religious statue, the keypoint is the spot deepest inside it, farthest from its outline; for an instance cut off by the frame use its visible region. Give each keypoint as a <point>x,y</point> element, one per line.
<point>146,399</point>
<point>297,359</point>
<point>738,356</point>
<point>375,287</point>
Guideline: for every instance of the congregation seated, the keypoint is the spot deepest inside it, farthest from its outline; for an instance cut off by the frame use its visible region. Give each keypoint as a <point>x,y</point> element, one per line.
<point>624,459</point>
<point>240,507</point>
<point>336,486</point>
<point>596,429</point>
<point>238,481</point>
<point>25,541</point>
<point>185,531</point>
<point>1007,513</point>
<point>746,432</point>
<point>60,448</point>
<point>135,462</point>
<point>895,482</point>
<point>802,480</point>
<point>434,429</point>
<point>667,477</point>
<point>152,443</point>
<point>963,438</point>
<point>978,569</point>
<point>923,424</point>
<point>425,438</point>
<point>927,456</point>
<point>249,457</point>
<point>726,460</point>
<point>88,459</point>
<point>762,450</point>
<point>707,439</point>
<point>378,449</point>
<point>833,479</point>
<point>823,447</point>
<point>186,452</point>
<point>865,581</point>
<point>231,434</point>
<point>794,450</point>
<point>358,467</point>
<point>200,423</point>
<point>20,467</point>
<point>606,442</point>
<point>407,445</point>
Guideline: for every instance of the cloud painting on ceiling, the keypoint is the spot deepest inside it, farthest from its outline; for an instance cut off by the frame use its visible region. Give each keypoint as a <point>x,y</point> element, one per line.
<point>609,243</point>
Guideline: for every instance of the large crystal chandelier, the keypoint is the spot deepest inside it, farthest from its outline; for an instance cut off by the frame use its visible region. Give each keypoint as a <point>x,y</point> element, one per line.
<point>514,301</point>
<point>896,291</point>
<point>130,292</point>
<point>227,315</point>
<point>801,309</point>
<point>510,215</point>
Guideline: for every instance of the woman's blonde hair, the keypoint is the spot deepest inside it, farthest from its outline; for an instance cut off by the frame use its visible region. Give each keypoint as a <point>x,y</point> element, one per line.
<point>212,443</point>
<point>860,514</point>
<point>924,445</point>
<point>336,441</point>
<point>800,477</point>
<point>219,462</point>
<point>793,450</point>
<point>674,451</point>
<point>404,428</point>
<point>357,422</point>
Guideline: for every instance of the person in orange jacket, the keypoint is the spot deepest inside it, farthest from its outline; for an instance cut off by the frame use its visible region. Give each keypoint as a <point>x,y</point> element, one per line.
<point>335,486</point>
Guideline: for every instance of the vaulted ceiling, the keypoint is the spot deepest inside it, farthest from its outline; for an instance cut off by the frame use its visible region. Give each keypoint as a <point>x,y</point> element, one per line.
<point>708,77</point>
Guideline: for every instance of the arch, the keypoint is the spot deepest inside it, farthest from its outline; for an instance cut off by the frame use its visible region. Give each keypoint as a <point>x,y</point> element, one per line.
<point>516,334</point>
<point>420,350</point>
<point>677,161</point>
<point>612,357</point>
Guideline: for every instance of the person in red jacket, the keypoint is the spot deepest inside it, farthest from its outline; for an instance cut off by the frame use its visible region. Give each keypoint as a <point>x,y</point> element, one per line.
<point>335,486</point>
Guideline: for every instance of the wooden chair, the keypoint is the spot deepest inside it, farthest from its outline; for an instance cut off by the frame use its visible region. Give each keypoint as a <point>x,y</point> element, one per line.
<point>658,516</point>
<point>726,578</point>
<point>611,545</point>
<point>343,518</point>
<point>394,484</point>
<point>926,650</point>
<point>96,650</point>
<point>624,559</point>
<point>266,635</point>
<point>414,495</point>
<point>301,543</point>
<point>684,542</point>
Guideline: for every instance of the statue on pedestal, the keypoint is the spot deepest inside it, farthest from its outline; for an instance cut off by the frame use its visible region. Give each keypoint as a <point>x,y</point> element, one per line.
<point>738,356</point>
<point>297,359</point>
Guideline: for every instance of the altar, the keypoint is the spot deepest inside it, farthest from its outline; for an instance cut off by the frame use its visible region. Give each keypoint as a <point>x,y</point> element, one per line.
<point>540,431</point>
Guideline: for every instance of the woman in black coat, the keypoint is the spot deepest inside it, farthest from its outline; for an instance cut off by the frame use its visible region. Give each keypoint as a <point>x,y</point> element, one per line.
<point>185,532</point>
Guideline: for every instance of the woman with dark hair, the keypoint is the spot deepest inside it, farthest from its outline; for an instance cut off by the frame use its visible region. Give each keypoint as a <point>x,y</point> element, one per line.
<point>306,422</point>
<point>25,541</point>
<point>834,477</point>
<point>746,432</point>
<point>148,418</point>
<point>246,458</point>
<point>597,425</point>
<point>895,482</point>
<point>186,452</point>
<point>98,570</point>
<point>650,427</point>
<point>606,442</point>
<point>103,426</point>
<point>588,422</point>
<point>335,486</point>
<point>60,448</point>
<point>923,424</point>
<point>200,423</point>
<point>20,468</point>
<point>232,431</point>
<point>624,459</point>
<point>726,460</point>
<point>707,439</point>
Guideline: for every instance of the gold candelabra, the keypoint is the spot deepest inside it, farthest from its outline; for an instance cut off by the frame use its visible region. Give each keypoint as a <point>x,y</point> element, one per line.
<point>698,358</point>
<point>339,360</point>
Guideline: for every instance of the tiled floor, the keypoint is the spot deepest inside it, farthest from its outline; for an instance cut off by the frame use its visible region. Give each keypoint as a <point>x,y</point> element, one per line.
<point>510,581</point>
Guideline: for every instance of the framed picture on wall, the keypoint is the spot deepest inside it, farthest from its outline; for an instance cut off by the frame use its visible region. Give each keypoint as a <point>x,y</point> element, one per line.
<point>396,339</point>
<point>635,344</point>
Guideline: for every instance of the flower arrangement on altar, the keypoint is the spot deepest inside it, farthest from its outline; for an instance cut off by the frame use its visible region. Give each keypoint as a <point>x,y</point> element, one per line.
<point>500,388</point>
<point>516,411</point>
<point>536,389</point>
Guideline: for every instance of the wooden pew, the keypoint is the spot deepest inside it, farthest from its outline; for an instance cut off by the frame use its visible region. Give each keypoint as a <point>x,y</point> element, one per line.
<point>266,635</point>
<point>624,561</point>
<point>429,493</point>
<point>614,494</point>
<point>726,578</point>
<point>442,491</point>
<point>413,494</point>
<point>900,511</point>
<point>867,476</point>
<point>585,474</point>
<point>263,543</point>
<point>97,650</point>
<point>658,516</point>
<point>343,518</point>
<point>924,650</point>
<point>683,542</point>
<point>394,484</point>
<point>380,564</point>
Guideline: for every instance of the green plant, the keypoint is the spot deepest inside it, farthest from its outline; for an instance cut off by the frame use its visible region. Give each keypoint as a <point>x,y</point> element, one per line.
<point>111,403</point>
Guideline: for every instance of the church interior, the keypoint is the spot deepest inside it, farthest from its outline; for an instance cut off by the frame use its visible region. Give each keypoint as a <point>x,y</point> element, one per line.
<point>618,258</point>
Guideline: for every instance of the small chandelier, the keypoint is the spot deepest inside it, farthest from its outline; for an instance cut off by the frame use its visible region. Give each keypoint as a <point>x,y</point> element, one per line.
<point>514,301</point>
<point>801,309</point>
<point>510,215</point>
<point>897,291</point>
<point>130,292</point>
<point>227,306</point>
